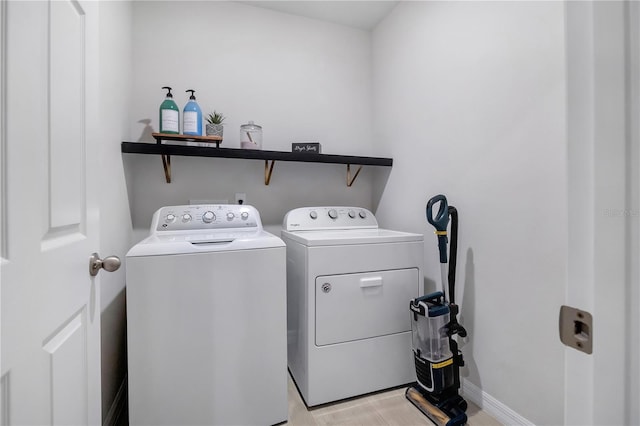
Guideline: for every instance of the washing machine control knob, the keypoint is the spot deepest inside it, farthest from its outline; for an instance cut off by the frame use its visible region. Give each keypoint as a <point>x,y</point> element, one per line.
<point>313,214</point>
<point>170,218</point>
<point>230,216</point>
<point>244,215</point>
<point>186,217</point>
<point>208,217</point>
<point>352,214</point>
<point>333,214</point>
<point>362,214</point>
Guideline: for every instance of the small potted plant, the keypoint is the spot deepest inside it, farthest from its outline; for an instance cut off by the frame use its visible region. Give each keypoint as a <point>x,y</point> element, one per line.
<point>214,124</point>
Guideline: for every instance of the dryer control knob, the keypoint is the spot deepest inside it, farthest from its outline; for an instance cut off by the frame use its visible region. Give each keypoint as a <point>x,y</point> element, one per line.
<point>208,217</point>
<point>333,214</point>
<point>313,214</point>
<point>244,215</point>
<point>170,218</point>
<point>352,214</point>
<point>186,217</point>
<point>230,216</point>
<point>362,214</point>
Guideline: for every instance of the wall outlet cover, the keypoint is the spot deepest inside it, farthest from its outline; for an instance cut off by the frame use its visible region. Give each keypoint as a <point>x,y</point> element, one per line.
<point>241,198</point>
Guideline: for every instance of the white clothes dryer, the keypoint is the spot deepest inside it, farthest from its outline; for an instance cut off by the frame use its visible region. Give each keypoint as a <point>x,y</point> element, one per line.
<point>206,318</point>
<point>349,284</point>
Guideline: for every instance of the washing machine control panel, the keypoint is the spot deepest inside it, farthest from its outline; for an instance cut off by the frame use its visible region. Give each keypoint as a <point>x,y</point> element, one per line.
<point>205,216</point>
<point>317,218</point>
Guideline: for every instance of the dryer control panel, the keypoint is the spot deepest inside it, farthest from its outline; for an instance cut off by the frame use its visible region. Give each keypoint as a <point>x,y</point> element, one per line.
<point>205,216</point>
<point>328,217</point>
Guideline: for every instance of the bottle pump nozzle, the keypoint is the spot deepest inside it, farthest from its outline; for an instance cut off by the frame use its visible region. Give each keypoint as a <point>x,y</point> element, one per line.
<point>192,94</point>
<point>169,95</point>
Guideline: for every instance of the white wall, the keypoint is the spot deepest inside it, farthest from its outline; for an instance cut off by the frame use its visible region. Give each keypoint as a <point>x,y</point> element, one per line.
<point>469,101</point>
<point>299,78</point>
<point>115,218</point>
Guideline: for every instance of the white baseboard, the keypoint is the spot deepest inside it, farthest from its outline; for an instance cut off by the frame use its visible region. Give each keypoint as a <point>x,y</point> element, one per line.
<point>492,406</point>
<point>118,407</point>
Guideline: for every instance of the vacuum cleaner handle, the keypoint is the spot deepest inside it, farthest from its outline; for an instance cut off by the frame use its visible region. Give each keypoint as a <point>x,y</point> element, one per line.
<point>453,253</point>
<point>440,222</point>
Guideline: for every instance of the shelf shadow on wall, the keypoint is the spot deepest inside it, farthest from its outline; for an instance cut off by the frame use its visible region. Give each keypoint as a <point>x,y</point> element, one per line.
<point>380,179</point>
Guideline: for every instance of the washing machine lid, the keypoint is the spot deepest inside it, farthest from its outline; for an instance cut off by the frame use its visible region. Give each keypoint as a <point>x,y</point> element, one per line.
<point>350,236</point>
<point>203,242</point>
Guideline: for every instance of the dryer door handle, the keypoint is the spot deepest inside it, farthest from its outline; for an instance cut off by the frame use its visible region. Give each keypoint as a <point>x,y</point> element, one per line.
<point>371,282</point>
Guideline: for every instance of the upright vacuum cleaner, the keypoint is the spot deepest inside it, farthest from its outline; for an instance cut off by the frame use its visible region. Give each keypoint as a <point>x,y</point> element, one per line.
<point>434,323</point>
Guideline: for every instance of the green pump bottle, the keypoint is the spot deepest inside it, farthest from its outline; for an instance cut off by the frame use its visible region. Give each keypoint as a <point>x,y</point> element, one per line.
<point>169,114</point>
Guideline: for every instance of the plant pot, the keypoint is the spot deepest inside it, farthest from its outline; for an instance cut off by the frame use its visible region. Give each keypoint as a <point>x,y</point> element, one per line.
<point>214,129</point>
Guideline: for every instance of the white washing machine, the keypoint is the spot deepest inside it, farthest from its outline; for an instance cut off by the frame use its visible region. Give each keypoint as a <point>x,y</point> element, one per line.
<point>349,284</point>
<point>206,319</point>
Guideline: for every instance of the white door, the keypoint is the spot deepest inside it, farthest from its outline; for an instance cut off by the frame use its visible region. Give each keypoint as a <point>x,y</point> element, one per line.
<point>603,124</point>
<point>50,362</point>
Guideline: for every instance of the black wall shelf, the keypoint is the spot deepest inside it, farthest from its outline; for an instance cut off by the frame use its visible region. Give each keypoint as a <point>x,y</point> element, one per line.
<point>269,157</point>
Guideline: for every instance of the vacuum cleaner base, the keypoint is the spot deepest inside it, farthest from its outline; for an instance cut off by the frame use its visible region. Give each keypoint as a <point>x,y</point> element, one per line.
<point>448,411</point>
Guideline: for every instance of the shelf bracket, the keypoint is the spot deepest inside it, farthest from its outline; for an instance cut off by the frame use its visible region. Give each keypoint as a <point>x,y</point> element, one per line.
<point>268,170</point>
<point>350,179</point>
<point>166,164</point>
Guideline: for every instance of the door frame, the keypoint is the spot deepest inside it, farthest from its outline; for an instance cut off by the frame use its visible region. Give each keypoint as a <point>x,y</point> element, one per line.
<point>4,420</point>
<point>603,210</point>
<point>632,387</point>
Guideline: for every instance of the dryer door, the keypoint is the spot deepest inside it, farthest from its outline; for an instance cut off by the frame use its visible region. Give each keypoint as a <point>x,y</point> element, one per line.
<point>360,306</point>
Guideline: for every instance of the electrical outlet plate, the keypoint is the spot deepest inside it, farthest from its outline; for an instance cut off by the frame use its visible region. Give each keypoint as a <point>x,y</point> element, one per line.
<point>241,198</point>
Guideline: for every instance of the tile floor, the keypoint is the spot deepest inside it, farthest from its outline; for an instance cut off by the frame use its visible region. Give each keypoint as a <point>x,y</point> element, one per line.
<point>382,408</point>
